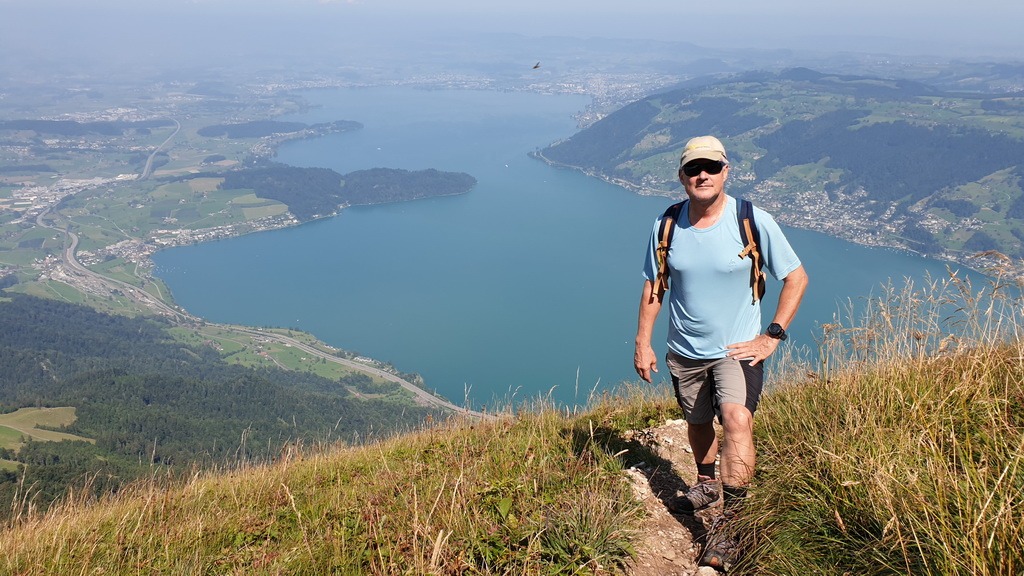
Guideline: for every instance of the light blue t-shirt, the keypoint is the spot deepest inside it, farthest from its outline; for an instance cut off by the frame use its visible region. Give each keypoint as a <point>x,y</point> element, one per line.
<point>710,301</point>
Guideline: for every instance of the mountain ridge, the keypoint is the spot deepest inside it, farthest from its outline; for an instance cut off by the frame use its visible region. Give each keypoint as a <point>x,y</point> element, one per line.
<point>895,163</point>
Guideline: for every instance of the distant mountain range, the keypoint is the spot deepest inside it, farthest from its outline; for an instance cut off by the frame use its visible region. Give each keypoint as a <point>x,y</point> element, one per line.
<point>877,161</point>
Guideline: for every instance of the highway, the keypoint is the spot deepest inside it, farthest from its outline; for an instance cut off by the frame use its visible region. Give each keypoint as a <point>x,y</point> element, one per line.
<point>148,169</point>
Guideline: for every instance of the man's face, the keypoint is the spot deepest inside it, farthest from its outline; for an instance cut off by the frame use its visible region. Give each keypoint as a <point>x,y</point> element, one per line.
<point>704,180</point>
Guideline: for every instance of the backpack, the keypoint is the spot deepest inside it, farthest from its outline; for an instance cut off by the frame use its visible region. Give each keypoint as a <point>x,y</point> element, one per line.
<point>748,234</point>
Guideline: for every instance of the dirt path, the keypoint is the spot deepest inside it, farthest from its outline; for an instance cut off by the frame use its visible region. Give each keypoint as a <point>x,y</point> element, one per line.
<point>672,541</point>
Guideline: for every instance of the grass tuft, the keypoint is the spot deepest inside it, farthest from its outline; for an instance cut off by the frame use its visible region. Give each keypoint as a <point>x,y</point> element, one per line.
<point>902,453</point>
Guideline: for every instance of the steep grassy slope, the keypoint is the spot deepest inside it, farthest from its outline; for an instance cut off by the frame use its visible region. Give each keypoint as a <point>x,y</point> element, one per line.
<point>537,494</point>
<point>900,452</point>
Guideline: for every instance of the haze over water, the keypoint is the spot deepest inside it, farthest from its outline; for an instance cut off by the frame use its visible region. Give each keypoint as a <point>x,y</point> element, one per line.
<point>525,286</point>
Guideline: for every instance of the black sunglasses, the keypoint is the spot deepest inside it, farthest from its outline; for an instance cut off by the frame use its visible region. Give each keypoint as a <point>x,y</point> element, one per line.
<point>695,168</point>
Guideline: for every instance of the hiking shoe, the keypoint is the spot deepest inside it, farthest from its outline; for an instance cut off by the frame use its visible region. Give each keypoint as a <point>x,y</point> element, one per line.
<point>698,497</point>
<point>722,549</point>
<point>722,555</point>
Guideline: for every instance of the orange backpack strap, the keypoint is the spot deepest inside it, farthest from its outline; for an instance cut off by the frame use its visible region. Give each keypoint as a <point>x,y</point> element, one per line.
<point>748,234</point>
<point>750,237</point>
<point>665,230</point>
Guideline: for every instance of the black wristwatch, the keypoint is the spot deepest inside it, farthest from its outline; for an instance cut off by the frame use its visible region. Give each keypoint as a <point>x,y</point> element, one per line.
<point>776,331</point>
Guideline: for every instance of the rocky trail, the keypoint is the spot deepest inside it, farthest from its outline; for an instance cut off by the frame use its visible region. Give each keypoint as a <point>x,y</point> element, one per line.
<point>672,541</point>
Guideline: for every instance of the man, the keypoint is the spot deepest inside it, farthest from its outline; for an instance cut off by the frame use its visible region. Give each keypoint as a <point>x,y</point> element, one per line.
<point>716,347</point>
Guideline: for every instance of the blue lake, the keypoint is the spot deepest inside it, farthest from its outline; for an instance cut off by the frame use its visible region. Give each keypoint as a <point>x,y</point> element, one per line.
<point>526,286</point>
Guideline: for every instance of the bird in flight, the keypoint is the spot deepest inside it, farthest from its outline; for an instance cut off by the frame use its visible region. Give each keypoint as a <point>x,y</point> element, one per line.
<point>537,65</point>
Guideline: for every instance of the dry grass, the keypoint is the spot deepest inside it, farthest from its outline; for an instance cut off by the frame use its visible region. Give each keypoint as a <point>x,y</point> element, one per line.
<point>536,493</point>
<point>902,454</point>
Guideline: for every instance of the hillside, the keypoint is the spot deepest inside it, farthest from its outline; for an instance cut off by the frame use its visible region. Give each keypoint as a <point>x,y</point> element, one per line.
<point>898,454</point>
<point>877,161</point>
<point>143,401</point>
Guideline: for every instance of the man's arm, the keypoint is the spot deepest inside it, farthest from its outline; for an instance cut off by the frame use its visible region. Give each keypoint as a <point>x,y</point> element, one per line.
<point>644,359</point>
<point>793,287</point>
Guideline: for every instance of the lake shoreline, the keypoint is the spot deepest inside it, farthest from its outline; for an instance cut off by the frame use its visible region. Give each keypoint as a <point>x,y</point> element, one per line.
<point>453,289</point>
<point>854,236</point>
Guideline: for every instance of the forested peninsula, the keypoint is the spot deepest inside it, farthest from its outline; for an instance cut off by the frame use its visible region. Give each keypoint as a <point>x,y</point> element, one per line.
<point>313,192</point>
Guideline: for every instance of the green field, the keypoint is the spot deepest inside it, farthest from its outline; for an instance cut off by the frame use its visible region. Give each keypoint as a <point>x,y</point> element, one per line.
<point>248,350</point>
<point>23,423</point>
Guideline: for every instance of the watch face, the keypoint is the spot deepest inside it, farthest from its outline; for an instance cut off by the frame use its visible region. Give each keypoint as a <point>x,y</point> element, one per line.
<point>776,331</point>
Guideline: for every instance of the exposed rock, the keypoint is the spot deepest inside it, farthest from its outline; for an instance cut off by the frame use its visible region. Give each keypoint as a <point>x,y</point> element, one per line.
<point>672,541</point>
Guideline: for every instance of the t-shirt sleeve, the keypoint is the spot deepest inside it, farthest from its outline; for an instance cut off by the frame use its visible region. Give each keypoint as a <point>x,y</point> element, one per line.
<point>650,270</point>
<point>779,257</point>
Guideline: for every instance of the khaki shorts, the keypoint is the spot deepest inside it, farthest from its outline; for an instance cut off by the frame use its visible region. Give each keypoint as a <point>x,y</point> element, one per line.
<point>702,386</point>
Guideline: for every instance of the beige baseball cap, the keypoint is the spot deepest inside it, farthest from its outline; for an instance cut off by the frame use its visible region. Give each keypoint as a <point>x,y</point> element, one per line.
<point>703,148</point>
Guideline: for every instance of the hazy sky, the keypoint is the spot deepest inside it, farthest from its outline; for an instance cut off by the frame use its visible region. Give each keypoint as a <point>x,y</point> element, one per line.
<point>978,22</point>
<point>987,28</point>
<point>990,26</point>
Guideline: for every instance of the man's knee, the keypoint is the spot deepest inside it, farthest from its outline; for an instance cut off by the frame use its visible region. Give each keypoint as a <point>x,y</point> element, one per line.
<point>737,420</point>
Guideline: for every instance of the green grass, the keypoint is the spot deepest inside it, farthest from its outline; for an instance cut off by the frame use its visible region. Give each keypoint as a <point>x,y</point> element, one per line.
<point>119,269</point>
<point>19,258</point>
<point>60,291</point>
<point>10,438</point>
<point>241,348</point>
<point>255,213</point>
<point>22,423</point>
<point>253,207</point>
<point>52,289</point>
<point>103,217</point>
